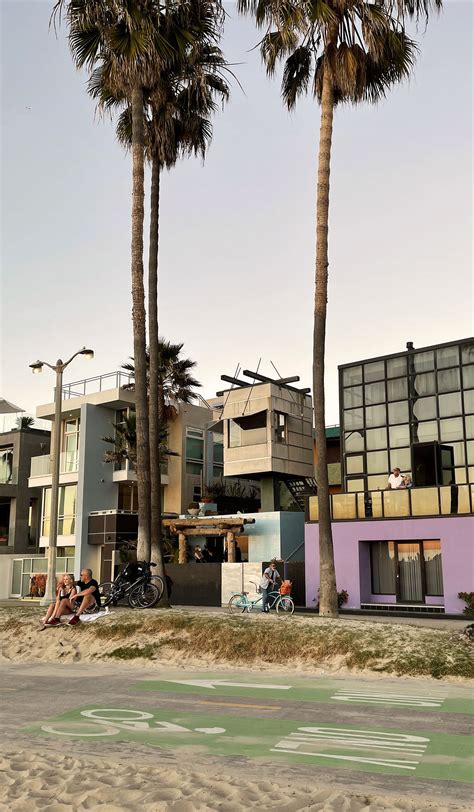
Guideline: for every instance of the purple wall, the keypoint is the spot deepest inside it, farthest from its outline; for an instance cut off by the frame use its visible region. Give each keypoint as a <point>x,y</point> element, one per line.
<point>352,558</point>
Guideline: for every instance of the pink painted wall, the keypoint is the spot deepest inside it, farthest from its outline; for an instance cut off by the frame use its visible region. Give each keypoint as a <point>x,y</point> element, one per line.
<point>352,558</point>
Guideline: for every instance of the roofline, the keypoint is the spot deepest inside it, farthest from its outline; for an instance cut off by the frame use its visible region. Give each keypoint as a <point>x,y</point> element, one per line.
<point>407,352</point>
<point>260,383</point>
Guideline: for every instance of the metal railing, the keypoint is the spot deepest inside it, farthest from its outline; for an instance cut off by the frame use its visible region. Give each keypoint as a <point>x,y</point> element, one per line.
<point>101,383</point>
<point>41,466</point>
<point>446,500</point>
<point>127,465</point>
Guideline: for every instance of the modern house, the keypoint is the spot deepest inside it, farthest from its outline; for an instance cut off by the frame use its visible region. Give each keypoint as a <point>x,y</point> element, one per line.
<point>409,549</point>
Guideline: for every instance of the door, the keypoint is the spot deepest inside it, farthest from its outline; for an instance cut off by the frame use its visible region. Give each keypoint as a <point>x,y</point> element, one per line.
<point>424,464</point>
<point>410,575</point>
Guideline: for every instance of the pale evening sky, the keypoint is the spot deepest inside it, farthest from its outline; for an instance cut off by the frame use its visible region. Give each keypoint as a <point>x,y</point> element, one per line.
<point>237,234</point>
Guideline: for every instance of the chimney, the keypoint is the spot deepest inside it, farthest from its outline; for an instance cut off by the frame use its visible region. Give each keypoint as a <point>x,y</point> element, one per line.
<point>410,346</point>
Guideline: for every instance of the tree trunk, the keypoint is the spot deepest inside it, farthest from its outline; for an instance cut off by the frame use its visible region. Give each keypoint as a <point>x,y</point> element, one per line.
<point>328,592</point>
<point>154,372</point>
<point>139,327</point>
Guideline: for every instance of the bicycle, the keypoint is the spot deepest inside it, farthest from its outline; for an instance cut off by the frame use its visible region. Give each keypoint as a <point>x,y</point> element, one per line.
<point>136,584</point>
<point>241,602</point>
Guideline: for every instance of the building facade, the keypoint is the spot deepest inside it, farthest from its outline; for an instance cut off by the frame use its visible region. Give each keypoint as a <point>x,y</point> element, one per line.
<point>409,549</point>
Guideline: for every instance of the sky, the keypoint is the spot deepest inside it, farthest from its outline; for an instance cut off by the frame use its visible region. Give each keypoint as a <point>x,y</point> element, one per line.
<point>237,241</point>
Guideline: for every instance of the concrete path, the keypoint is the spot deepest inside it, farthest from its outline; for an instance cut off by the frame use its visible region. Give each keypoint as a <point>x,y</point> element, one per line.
<point>393,735</point>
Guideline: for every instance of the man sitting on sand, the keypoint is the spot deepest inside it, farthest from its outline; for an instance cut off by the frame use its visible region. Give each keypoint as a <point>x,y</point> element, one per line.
<point>87,597</point>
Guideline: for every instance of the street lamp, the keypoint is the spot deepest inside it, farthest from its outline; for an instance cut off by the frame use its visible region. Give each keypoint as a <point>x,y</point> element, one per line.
<point>58,368</point>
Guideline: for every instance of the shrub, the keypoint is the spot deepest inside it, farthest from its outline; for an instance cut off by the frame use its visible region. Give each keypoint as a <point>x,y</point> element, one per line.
<point>468,598</point>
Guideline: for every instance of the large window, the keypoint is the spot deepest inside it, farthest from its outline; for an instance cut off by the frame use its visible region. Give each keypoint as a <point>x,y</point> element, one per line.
<point>194,451</point>
<point>248,430</point>
<point>217,455</point>
<point>411,570</point>
<point>66,511</point>
<point>70,445</point>
<point>6,465</point>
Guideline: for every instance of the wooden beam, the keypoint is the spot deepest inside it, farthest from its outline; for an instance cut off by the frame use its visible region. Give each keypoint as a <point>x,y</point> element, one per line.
<point>230,538</point>
<point>207,522</point>
<point>182,549</point>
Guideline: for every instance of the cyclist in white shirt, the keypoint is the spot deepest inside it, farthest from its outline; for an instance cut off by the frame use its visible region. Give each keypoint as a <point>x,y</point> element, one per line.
<point>268,582</point>
<point>395,479</point>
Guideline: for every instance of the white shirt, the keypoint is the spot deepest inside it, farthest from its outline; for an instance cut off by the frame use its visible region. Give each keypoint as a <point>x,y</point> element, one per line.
<point>272,576</point>
<point>395,481</point>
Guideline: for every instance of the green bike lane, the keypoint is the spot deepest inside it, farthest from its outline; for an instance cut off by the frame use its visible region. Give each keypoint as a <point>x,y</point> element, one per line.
<point>286,720</point>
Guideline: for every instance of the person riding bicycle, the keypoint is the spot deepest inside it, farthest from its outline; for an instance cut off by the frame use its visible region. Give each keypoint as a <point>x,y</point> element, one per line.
<point>268,583</point>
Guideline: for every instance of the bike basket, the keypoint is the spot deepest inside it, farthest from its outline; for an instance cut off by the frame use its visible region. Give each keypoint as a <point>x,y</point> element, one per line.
<point>285,588</point>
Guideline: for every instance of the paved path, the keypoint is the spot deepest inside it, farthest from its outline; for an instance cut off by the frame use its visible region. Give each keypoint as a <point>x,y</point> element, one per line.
<point>400,735</point>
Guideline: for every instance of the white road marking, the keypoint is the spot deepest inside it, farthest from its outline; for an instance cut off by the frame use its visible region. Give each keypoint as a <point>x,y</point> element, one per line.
<point>213,683</point>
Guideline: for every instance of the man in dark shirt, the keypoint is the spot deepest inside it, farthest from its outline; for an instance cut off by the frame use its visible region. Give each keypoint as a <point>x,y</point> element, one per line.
<point>87,596</point>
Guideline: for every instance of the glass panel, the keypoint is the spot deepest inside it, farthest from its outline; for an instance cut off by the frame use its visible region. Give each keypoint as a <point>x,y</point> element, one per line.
<point>218,447</point>
<point>447,357</point>
<point>396,503</point>
<point>460,476</point>
<point>47,502</point>
<point>470,478</point>
<point>399,436</point>
<point>344,506</point>
<point>467,353</point>
<point>353,419</point>
<point>352,397</point>
<point>376,497</point>
<point>401,458</point>
<point>409,569</point>
<point>66,526</point>
<point>424,502</point>
<point>469,423</point>
<point>424,408</point>
<point>396,366</point>
<point>248,430</point>
<point>468,376</point>
<point>463,499</point>
<point>377,462</point>
<point>425,432</point>
<point>353,485</point>
<point>194,448</point>
<point>382,557</point>
<point>377,482</point>
<point>433,568</point>
<point>67,500</point>
<point>449,380</point>
<point>376,438</point>
<point>451,429</point>
<point>194,468</point>
<point>375,393</point>
<point>355,465</point>
<point>374,371</point>
<point>398,412</point>
<point>470,452</point>
<point>423,384</point>
<point>313,509</point>
<point>397,389</point>
<point>354,440</point>
<point>450,404</point>
<point>41,565</point>
<point>16,577</point>
<point>375,416</point>
<point>423,361</point>
<point>469,401</point>
<point>352,375</point>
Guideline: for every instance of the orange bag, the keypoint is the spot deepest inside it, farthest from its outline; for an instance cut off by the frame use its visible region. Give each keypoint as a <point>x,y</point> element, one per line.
<point>285,588</point>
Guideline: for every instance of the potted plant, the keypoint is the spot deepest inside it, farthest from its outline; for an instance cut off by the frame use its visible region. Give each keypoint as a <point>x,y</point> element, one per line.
<point>193,509</point>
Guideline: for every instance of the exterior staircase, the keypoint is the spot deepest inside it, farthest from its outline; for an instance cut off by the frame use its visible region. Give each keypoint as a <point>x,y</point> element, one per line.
<point>300,489</point>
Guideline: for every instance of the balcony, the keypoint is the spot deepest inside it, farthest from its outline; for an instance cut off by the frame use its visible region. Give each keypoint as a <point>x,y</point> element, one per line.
<point>125,472</point>
<point>449,500</point>
<point>41,466</point>
<point>101,383</point>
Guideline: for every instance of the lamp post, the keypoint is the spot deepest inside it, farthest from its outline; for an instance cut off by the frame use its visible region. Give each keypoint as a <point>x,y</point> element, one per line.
<point>58,368</point>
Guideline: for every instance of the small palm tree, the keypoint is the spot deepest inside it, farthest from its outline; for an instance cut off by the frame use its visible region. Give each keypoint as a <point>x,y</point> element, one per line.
<point>343,51</point>
<point>25,422</point>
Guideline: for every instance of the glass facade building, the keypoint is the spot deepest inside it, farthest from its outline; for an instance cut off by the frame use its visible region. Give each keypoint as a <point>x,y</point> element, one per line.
<point>414,411</point>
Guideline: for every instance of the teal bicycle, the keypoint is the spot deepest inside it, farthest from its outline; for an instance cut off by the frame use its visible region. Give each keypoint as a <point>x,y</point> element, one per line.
<point>241,602</point>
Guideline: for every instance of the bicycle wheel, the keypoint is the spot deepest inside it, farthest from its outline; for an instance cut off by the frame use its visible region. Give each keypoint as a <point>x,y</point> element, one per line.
<point>237,604</point>
<point>143,596</point>
<point>285,605</point>
<point>158,581</point>
<point>107,593</point>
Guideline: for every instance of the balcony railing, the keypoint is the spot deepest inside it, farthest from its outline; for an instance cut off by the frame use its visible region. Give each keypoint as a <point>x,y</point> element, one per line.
<point>395,504</point>
<point>68,464</point>
<point>126,465</point>
<point>101,383</point>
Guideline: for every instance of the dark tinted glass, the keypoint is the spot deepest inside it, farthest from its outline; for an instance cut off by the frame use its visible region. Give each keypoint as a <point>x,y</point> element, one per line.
<point>375,416</point>
<point>447,357</point>
<point>449,405</point>
<point>398,412</point>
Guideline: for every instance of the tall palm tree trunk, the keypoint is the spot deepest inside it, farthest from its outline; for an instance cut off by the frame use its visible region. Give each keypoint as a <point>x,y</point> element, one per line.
<point>139,326</point>
<point>154,383</point>
<point>328,592</point>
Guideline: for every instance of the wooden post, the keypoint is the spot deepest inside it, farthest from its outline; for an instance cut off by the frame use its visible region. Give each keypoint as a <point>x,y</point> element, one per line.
<point>230,538</point>
<point>182,548</point>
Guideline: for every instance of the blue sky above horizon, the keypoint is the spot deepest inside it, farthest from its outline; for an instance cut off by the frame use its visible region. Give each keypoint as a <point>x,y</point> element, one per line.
<point>237,234</point>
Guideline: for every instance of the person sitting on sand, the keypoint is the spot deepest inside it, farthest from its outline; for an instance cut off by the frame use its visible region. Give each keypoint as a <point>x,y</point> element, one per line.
<point>87,598</point>
<point>66,589</point>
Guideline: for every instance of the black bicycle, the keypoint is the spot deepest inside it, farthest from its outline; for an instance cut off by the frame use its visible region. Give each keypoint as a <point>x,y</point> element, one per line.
<point>136,584</point>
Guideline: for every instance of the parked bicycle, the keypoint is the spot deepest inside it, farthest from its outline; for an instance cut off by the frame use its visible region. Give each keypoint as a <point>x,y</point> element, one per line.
<point>135,583</point>
<point>242,602</point>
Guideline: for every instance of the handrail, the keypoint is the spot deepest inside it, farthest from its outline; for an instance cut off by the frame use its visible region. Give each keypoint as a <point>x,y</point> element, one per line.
<point>79,388</point>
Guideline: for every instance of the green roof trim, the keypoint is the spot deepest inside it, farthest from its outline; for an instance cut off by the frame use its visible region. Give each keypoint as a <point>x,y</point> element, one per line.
<point>333,432</point>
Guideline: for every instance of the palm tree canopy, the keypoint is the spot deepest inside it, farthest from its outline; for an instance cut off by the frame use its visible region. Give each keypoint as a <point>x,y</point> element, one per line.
<point>175,373</point>
<point>362,44</point>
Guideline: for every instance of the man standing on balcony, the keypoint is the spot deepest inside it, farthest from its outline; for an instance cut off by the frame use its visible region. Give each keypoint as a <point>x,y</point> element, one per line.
<point>395,480</point>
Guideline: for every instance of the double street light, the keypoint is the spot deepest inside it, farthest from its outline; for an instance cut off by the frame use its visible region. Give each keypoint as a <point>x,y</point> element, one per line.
<point>58,368</point>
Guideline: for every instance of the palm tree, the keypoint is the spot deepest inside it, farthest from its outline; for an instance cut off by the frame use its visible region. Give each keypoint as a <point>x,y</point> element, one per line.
<point>344,51</point>
<point>128,40</point>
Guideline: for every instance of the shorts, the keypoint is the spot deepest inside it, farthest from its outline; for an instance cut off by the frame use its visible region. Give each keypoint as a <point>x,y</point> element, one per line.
<point>93,607</point>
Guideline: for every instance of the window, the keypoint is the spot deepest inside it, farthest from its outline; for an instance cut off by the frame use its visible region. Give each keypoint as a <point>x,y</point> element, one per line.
<point>194,451</point>
<point>451,429</point>
<point>354,440</point>
<point>280,427</point>
<point>375,393</point>
<point>425,432</point>
<point>400,458</point>
<point>377,462</point>
<point>248,430</point>
<point>354,419</point>
<point>66,510</point>
<point>469,401</point>
<point>399,436</point>
<point>449,380</point>
<point>424,408</point>
<point>354,485</point>
<point>6,465</point>
<point>423,361</point>
<point>375,416</point>
<point>398,412</point>
<point>352,397</point>
<point>447,357</point>
<point>396,367</point>
<point>70,445</point>
<point>423,384</point>
<point>468,353</point>
<point>397,389</point>
<point>217,455</point>
<point>449,405</point>
<point>383,565</point>
<point>433,570</point>
<point>374,371</point>
<point>376,438</point>
<point>468,376</point>
<point>352,375</point>
<point>355,464</point>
